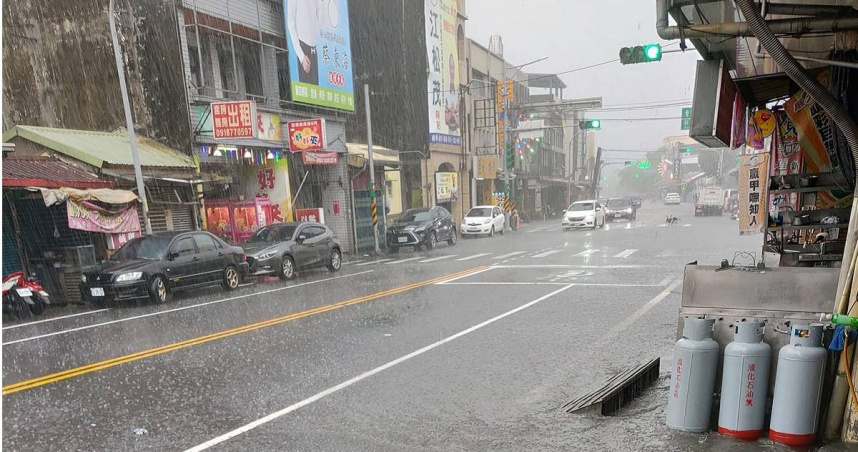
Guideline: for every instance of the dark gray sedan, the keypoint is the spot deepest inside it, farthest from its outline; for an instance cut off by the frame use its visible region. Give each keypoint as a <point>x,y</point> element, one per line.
<point>283,248</point>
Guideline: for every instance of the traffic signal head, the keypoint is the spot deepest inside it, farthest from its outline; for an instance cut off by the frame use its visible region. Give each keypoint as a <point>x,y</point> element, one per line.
<point>644,164</point>
<point>629,162</point>
<point>640,54</point>
<point>592,124</point>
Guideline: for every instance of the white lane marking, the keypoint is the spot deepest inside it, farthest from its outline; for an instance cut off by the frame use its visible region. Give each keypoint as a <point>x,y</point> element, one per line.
<point>577,266</point>
<point>552,229</point>
<point>54,318</point>
<point>585,253</point>
<point>352,262</point>
<point>547,253</point>
<point>404,260</point>
<point>472,257</point>
<point>514,253</point>
<point>438,258</point>
<point>662,225</point>
<point>666,280</point>
<point>277,414</point>
<point>666,253</point>
<point>565,244</point>
<point>686,225</point>
<point>626,253</point>
<point>623,326</point>
<point>536,230</point>
<point>151,314</point>
<point>373,262</point>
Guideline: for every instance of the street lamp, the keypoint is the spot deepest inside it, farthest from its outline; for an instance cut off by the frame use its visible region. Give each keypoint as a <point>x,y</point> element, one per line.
<point>129,121</point>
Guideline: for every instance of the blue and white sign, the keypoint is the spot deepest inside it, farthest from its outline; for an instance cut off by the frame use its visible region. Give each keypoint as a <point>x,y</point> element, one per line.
<point>320,53</point>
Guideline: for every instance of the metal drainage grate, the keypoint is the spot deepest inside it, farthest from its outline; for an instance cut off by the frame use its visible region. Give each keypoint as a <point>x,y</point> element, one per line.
<point>618,391</point>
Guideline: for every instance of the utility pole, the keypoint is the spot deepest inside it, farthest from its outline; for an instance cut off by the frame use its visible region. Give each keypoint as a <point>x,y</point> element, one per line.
<point>371,168</point>
<point>597,173</point>
<point>507,188</point>
<point>129,121</point>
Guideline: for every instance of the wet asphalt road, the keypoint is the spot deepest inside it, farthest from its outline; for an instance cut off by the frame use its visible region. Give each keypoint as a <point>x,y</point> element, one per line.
<point>471,347</point>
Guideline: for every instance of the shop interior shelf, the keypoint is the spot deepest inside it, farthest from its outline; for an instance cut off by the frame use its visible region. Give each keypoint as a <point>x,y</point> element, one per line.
<point>809,189</point>
<point>807,226</point>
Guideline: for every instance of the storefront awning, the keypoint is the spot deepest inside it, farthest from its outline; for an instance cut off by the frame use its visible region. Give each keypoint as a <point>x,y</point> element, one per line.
<point>381,155</point>
<point>47,172</point>
<point>105,195</point>
<point>101,149</point>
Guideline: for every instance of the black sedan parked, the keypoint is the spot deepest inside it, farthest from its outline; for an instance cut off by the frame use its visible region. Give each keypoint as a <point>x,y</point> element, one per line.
<point>282,248</point>
<point>422,227</point>
<point>154,266</point>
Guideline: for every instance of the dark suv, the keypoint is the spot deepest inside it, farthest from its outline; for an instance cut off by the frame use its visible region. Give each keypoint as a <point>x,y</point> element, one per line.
<point>422,227</point>
<point>620,208</point>
<point>153,266</point>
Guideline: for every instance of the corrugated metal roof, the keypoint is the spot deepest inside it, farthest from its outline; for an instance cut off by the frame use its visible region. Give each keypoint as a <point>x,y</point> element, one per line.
<point>47,172</point>
<point>100,148</point>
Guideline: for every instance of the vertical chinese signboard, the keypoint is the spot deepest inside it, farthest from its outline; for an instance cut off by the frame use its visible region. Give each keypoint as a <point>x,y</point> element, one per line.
<point>271,181</point>
<point>320,53</point>
<point>443,80</point>
<point>753,193</point>
<point>233,119</point>
<point>504,93</point>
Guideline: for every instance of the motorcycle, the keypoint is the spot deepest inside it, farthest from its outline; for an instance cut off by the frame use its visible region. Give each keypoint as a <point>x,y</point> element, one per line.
<point>22,296</point>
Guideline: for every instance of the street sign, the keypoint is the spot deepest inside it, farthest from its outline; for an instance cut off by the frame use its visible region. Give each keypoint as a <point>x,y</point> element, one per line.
<point>686,118</point>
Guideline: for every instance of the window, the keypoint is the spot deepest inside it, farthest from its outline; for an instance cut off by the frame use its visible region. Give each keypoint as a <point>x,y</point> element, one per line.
<point>318,231</point>
<point>307,232</point>
<point>204,242</point>
<point>389,186</point>
<point>224,59</point>
<point>497,211</point>
<point>184,247</point>
<point>283,81</point>
<point>248,53</point>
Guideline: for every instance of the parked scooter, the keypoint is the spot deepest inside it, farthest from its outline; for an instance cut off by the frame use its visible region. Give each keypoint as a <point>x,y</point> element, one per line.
<point>22,296</point>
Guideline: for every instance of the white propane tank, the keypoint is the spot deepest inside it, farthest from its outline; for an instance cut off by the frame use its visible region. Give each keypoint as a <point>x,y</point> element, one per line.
<point>745,382</point>
<point>692,378</point>
<point>798,387</point>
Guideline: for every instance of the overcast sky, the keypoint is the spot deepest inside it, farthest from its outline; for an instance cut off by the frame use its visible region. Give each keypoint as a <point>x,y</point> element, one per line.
<point>576,33</point>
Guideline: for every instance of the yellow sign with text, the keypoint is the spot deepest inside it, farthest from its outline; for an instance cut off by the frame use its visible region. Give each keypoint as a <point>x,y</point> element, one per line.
<point>487,166</point>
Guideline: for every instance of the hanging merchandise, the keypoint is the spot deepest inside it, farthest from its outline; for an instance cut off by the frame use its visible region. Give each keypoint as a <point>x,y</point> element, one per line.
<point>692,378</point>
<point>798,387</point>
<point>745,381</point>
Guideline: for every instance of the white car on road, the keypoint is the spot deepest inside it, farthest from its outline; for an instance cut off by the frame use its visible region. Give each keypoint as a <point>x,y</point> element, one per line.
<point>672,198</point>
<point>583,214</point>
<point>483,220</point>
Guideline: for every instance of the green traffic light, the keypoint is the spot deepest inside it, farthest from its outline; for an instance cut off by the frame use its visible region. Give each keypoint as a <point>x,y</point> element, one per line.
<point>652,52</point>
<point>596,124</point>
<point>644,164</point>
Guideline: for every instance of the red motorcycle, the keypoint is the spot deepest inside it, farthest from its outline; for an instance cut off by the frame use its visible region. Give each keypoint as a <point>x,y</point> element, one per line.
<point>22,296</point>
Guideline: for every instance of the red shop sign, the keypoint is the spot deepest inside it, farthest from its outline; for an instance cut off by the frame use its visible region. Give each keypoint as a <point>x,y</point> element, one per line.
<point>307,135</point>
<point>233,119</point>
<point>319,158</point>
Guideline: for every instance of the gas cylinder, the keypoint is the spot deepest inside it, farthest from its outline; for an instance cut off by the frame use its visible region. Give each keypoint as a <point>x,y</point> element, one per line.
<point>692,379</point>
<point>798,387</point>
<point>745,382</point>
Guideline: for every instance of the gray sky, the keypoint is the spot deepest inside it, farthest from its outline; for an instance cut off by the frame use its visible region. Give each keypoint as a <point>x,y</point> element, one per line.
<point>576,33</point>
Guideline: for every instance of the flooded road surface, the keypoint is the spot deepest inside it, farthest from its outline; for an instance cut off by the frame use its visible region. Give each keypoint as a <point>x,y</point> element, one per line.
<point>469,347</point>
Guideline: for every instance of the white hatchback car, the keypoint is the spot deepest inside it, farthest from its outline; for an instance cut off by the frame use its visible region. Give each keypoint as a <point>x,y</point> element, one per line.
<point>583,214</point>
<point>483,220</point>
<point>672,198</point>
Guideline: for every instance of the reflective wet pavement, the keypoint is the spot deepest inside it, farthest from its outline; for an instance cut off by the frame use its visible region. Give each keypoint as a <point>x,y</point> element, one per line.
<point>472,347</point>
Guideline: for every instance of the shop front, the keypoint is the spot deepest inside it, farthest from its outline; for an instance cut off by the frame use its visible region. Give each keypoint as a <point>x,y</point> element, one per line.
<point>277,165</point>
<point>58,219</point>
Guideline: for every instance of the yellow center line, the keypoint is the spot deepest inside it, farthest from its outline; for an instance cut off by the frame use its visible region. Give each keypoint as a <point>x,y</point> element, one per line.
<point>101,365</point>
